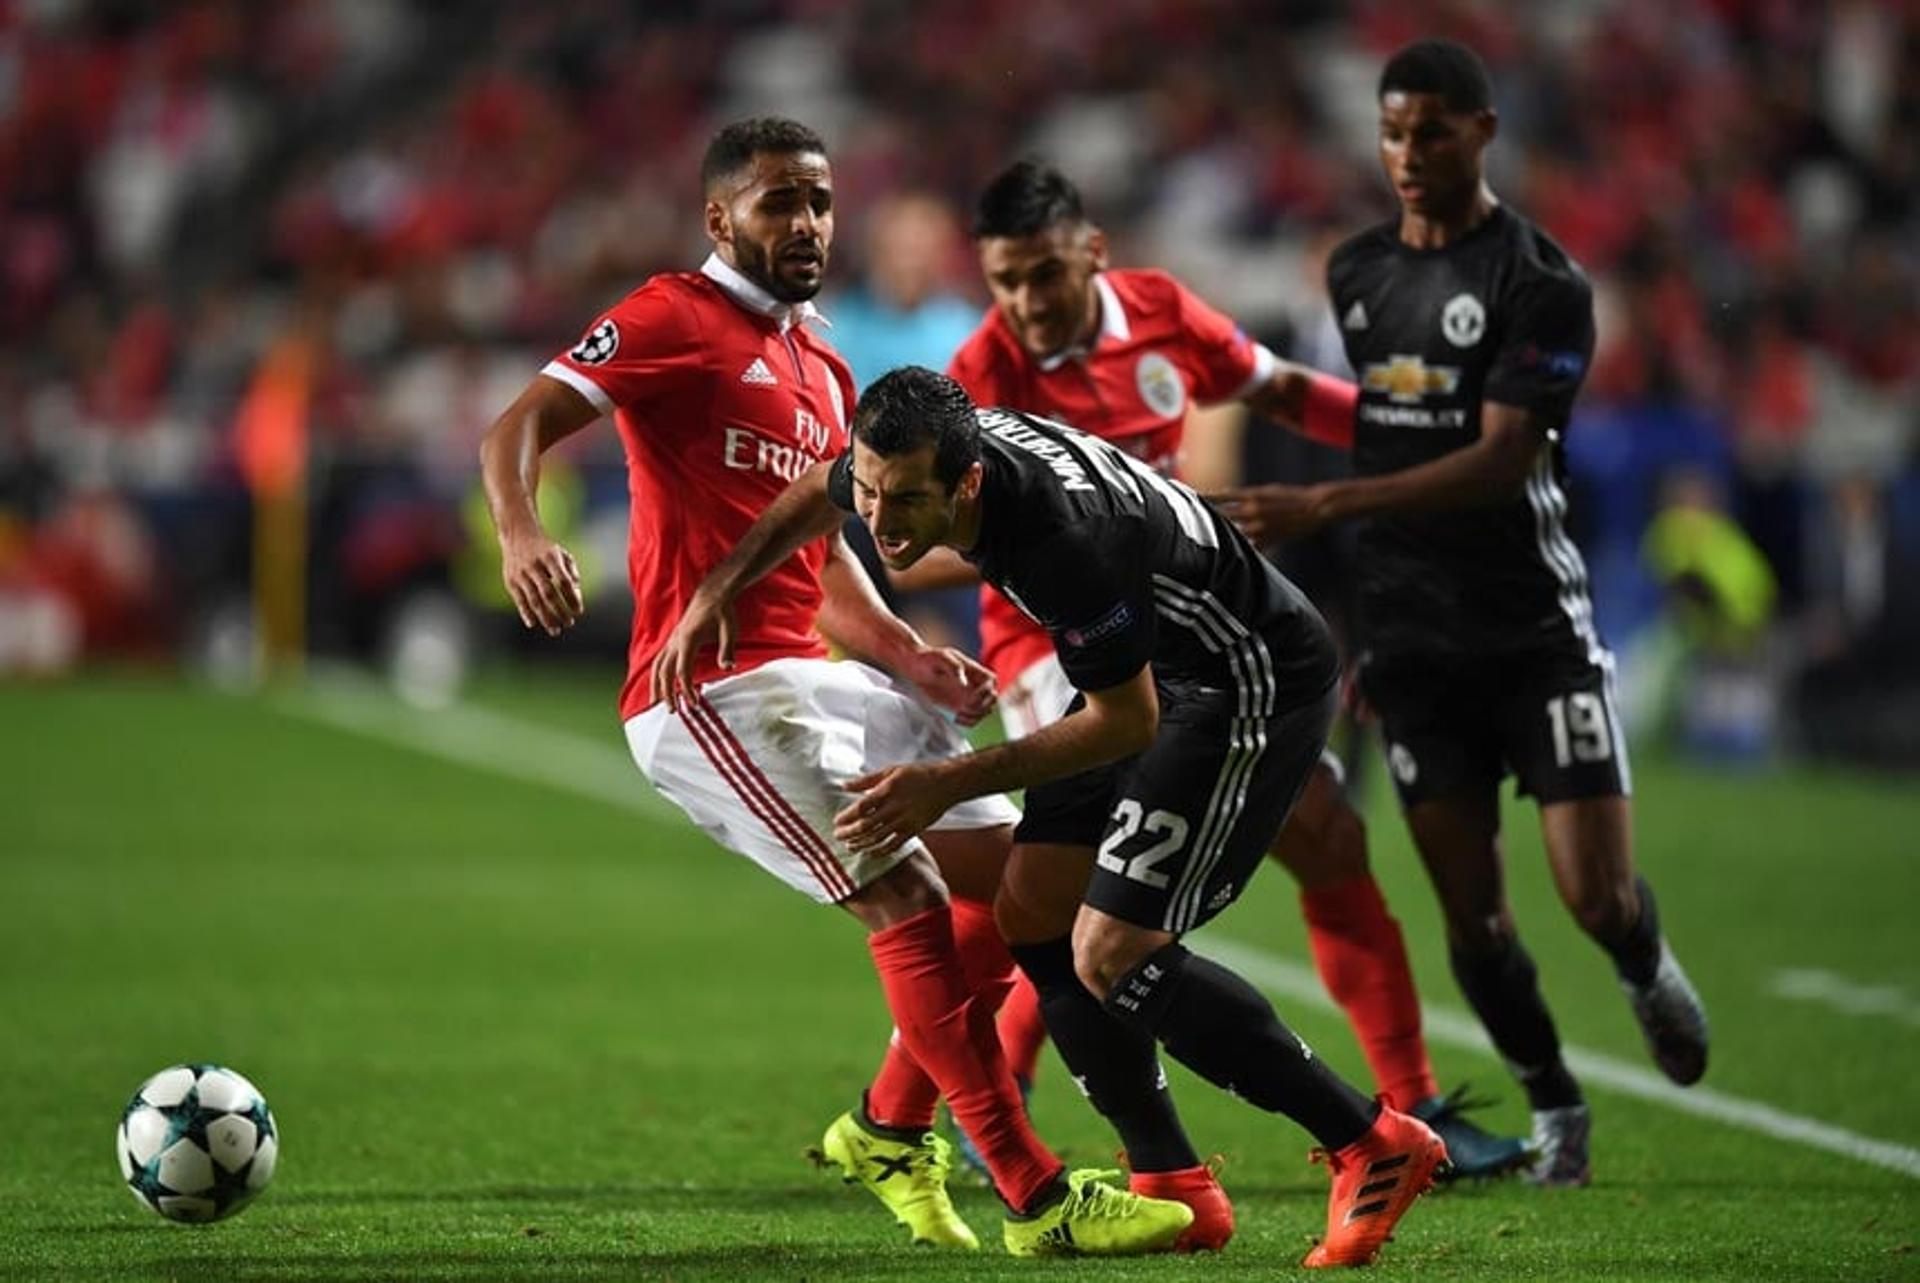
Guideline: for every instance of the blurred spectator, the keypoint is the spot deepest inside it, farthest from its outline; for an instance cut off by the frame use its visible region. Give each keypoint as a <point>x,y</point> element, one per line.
<point>905,311</point>
<point>452,186</point>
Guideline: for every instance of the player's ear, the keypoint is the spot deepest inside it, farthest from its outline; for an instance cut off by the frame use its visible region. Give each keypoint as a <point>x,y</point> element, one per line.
<point>719,222</point>
<point>968,486</point>
<point>1097,247</point>
<point>1488,122</point>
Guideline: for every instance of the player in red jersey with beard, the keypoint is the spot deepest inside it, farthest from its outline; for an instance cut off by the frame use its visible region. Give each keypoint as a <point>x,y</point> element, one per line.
<point>722,394</point>
<point>1122,354</point>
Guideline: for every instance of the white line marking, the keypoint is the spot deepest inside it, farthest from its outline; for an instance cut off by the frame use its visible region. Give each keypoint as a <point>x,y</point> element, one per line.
<point>481,739</point>
<point>1837,993</point>
<point>1458,1029</point>
<point>522,750</point>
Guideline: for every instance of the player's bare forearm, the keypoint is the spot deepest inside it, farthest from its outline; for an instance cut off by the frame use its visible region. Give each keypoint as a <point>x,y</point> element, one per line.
<point>1318,406</point>
<point>797,516</point>
<point>853,615</point>
<point>1078,742</point>
<point>539,574</point>
<point>1492,470</point>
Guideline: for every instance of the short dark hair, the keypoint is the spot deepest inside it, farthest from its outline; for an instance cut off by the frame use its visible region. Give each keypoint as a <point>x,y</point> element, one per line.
<point>734,147</point>
<point>1025,198</point>
<point>1444,67</point>
<point>911,407</point>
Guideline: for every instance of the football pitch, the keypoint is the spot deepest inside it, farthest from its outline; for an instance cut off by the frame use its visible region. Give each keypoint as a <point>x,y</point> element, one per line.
<point>515,1019</point>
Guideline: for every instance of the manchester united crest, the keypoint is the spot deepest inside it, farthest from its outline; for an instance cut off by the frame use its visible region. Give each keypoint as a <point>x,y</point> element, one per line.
<point>1463,320</point>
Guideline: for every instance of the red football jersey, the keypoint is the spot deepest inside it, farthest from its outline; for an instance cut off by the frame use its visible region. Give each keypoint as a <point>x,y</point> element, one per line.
<point>1159,349</point>
<point>722,396</point>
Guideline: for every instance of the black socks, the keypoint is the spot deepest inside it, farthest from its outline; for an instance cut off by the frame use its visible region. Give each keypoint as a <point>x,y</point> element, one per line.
<point>1114,1065</point>
<point>1504,990</point>
<point>1636,955</point>
<point>1225,1030</point>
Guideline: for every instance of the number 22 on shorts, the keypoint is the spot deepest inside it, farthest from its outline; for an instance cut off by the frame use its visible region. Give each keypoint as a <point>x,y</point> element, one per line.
<point>1171,829</point>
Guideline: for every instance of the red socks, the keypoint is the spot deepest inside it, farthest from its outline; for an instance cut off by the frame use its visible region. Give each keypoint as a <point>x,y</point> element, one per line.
<point>902,1095</point>
<point>1363,961</point>
<point>946,1026</point>
<point>1022,1032</point>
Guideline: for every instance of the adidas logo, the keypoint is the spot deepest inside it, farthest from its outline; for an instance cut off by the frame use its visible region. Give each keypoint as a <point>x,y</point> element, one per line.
<point>1356,317</point>
<point>758,375</point>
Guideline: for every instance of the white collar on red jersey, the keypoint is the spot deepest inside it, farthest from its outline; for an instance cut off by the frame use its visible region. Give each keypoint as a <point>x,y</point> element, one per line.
<point>749,294</point>
<point>1113,325</point>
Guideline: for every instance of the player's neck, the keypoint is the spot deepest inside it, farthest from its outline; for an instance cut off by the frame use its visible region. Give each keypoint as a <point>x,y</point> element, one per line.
<point>964,535</point>
<point>1439,230</point>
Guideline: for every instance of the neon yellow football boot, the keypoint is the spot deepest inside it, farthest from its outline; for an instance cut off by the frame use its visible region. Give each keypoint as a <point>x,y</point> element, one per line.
<point>909,1177</point>
<point>1098,1219</point>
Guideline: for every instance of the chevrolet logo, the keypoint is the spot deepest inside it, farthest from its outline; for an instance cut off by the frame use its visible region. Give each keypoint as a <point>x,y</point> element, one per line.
<point>1408,379</point>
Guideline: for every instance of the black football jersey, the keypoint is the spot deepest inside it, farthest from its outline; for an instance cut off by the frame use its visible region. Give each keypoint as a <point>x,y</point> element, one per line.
<point>1125,568</point>
<point>1503,314</point>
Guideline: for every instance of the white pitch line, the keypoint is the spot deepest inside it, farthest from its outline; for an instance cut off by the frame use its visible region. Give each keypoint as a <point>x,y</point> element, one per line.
<point>481,739</point>
<point>521,750</point>
<point>1458,1029</point>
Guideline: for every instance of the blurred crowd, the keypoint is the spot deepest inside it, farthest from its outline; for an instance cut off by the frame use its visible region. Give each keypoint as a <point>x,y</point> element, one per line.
<point>437,197</point>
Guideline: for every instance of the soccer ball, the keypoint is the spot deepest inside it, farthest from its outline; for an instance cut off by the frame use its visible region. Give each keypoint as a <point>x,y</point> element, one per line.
<point>197,1143</point>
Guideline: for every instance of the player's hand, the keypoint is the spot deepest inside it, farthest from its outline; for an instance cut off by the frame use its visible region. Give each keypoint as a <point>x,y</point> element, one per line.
<point>1266,514</point>
<point>952,680</point>
<point>543,581</point>
<point>896,804</point>
<point>707,622</point>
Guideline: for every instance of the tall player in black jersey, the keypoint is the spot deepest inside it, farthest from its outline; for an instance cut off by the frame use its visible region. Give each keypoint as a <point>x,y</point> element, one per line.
<point>1206,685</point>
<point>1470,331</point>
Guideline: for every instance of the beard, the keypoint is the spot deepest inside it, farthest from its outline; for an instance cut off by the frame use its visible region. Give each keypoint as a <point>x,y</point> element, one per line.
<point>757,265</point>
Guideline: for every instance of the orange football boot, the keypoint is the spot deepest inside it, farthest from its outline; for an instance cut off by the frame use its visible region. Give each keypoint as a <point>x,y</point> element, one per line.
<point>1375,1181</point>
<point>1199,1189</point>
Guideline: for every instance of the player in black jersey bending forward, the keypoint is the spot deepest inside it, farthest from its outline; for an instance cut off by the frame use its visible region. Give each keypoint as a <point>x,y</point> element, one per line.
<point>1469,331</point>
<point>1206,684</point>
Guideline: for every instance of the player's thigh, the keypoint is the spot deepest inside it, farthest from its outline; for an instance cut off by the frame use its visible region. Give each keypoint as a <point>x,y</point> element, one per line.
<point>1324,840</point>
<point>1041,891</point>
<point>1458,838</point>
<point>973,860</point>
<point>1194,815</point>
<point>1046,874</point>
<point>1438,731</point>
<point>1560,726</point>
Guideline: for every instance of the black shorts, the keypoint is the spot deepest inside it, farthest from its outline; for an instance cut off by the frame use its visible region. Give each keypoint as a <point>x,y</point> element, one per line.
<point>1180,828</point>
<point>1455,727</point>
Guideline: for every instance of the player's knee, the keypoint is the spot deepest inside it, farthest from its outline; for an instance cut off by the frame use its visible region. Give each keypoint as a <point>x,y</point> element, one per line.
<point>1480,934</point>
<point>1104,953</point>
<point>1604,910</point>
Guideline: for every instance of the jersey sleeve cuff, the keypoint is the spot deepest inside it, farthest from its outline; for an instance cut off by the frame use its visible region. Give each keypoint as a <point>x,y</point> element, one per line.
<point>1264,364</point>
<point>580,383</point>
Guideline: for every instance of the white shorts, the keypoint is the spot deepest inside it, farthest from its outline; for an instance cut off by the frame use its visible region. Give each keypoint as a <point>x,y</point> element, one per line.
<point>1039,696</point>
<point>759,762</point>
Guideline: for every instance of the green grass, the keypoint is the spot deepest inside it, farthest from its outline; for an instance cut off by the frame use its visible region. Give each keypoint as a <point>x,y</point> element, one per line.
<point>510,1031</point>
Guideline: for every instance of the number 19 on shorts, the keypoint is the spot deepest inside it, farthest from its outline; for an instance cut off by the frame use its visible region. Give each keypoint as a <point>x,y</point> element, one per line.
<point>1581,731</point>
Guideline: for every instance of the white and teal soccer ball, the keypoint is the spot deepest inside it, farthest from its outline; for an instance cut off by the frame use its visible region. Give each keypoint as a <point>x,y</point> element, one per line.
<point>197,1143</point>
